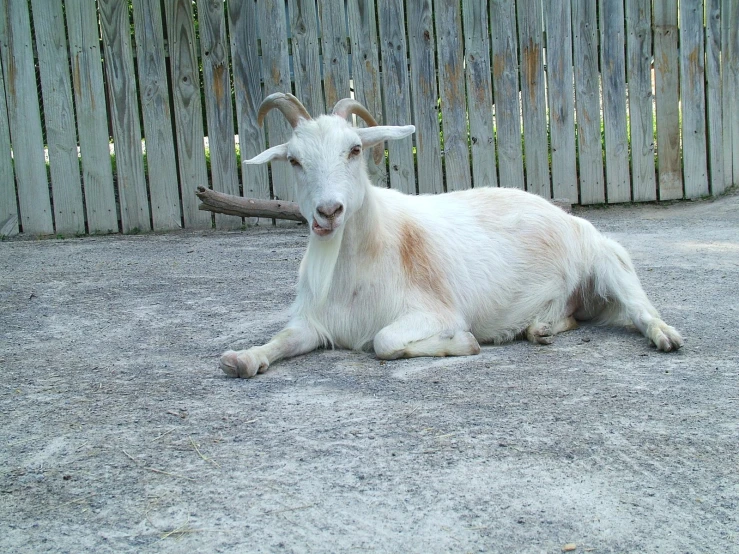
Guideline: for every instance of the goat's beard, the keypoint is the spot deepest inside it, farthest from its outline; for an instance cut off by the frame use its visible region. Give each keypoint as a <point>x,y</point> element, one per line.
<point>319,263</point>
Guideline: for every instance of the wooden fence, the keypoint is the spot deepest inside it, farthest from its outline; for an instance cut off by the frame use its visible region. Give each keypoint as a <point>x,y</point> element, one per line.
<point>587,100</point>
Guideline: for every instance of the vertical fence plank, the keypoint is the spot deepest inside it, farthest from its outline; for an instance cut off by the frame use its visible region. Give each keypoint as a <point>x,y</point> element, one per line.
<point>335,51</point>
<point>306,56</point>
<point>506,93</point>
<point>8,205</point>
<point>248,91</point>
<point>92,116</point>
<point>533,99</point>
<point>667,99</point>
<point>154,91</point>
<point>188,109</point>
<point>479,93</point>
<point>641,116</point>
<point>366,70</point>
<point>613,74</point>
<point>396,92</point>
<point>714,97</point>
<point>693,102</point>
<point>214,49</point>
<point>129,161</point>
<point>730,81</point>
<point>276,77</point>
<point>587,99</point>
<point>558,21</point>
<point>449,49</point>
<point>61,136</point>
<point>24,117</point>
<point>425,97</point>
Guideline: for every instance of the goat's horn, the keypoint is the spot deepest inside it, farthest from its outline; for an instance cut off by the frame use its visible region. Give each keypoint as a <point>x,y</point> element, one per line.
<point>348,106</point>
<point>290,107</point>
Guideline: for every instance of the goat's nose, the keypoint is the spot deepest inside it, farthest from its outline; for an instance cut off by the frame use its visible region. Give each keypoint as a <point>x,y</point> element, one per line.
<point>330,211</point>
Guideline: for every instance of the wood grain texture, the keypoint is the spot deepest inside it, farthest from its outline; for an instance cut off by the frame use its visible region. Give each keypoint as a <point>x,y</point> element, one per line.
<point>587,100</point>
<point>8,204</point>
<point>24,116</point>
<point>156,112</point>
<point>366,70</point>
<point>450,56</point>
<point>306,49</point>
<point>641,115</point>
<point>335,45</point>
<point>666,75</point>
<point>714,100</point>
<point>479,93</point>
<point>214,49</point>
<point>730,84</point>
<point>92,117</point>
<point>61,134</point>
<point>396,92</point>
<point>533,99</point>
<point>422,47</point>
<point>124,114</point>
<point>693,101</point>
<point>506,93</point>
<point>248,91</point>
<point>613,75</point>
<point>188,109</point>
<point>557,17</point>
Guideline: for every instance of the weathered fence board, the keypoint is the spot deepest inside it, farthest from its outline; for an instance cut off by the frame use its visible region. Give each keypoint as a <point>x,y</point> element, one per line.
<point>667,99</point>
<point>16,51</point>
<point>248,92</point>
<point>306,59</point>
<point>214,47</point>
<point>8,207</point>
<point>425,95</point>
<point>188,109</point>
<point>154,93</point>
<point>366,70</point>
<point>56,87</point>
<point>587,99</point>
<point>536,149</point>
<point>730,82</point>
<point>479,93</point>
<point>124,113</point>
<point>276,78</point>
<point>639,77</point>
<point>396,91</point>
<point>449,50</point>
<point>713,97</point>
<point>558,19</point>
<point>335,51</point>
<point>693,101</point>
<point>613,71</point>
<point>506,95</point>
<point>92,117</point>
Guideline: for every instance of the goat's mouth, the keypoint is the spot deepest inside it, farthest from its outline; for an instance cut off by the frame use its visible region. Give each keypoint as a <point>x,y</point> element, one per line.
<point>322,231</point>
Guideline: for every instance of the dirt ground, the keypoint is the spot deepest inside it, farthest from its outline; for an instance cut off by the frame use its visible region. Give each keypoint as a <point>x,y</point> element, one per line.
<point>120,434</point>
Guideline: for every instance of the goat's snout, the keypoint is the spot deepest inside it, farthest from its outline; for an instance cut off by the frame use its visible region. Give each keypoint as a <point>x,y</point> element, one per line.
<point>331,210</point>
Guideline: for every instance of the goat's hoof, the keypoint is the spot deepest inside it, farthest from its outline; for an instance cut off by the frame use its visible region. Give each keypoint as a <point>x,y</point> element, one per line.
<point>540,333</point>
<point>244,363</point>
<point>664,337</point>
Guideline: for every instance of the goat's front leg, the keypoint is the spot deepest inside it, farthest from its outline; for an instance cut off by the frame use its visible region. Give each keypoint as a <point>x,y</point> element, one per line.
<point>297,338</point>
<point>417,335</point>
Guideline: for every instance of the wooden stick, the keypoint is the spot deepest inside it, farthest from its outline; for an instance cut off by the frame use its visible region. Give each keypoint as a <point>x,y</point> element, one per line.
<point>228,204</point>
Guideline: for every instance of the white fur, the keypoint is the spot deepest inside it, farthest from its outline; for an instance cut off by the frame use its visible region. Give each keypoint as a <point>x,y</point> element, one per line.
<point>436,275</point>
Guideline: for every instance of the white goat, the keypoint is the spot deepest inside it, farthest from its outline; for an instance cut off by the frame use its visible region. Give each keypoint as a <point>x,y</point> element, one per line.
<point>433,275</point>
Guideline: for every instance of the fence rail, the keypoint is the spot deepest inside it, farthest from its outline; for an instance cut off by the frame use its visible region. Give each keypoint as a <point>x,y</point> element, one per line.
<point>591,101</point>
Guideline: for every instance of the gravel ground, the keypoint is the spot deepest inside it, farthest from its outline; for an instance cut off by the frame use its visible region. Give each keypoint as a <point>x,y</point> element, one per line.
<point>120,434</point>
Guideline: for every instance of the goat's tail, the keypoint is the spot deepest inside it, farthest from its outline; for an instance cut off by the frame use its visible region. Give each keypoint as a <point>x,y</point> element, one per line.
<point>618,297</point>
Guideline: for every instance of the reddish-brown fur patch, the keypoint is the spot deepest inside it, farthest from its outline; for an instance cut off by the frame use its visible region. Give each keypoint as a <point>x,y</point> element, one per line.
<point>418,265</point>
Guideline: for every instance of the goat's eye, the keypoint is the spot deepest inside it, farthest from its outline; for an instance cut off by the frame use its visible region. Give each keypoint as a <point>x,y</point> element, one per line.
<point>355,151</point>
<point>294,162</point>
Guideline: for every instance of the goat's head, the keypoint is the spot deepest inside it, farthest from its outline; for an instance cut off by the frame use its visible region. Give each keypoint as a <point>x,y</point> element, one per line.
<point>326,154</point>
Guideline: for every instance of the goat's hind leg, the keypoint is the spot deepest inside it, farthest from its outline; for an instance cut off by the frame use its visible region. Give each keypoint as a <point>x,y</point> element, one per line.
<point>419,335</point>
<point>543,333</point>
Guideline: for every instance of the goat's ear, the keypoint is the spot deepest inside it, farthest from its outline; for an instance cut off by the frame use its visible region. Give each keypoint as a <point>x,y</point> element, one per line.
<point>375,135</point>
<point>278,152</point>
